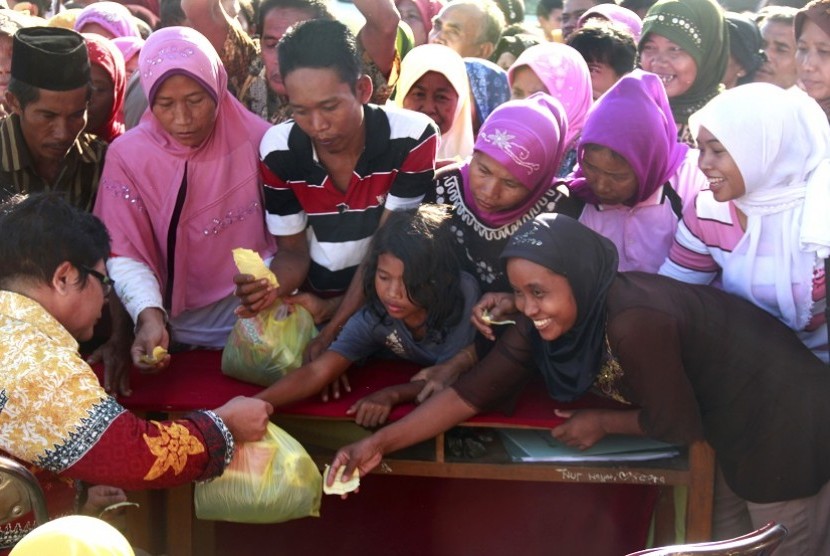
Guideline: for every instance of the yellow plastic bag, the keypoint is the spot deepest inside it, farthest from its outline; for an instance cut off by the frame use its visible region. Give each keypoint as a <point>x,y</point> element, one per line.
<point>265,348</point>
<point>269,481</point>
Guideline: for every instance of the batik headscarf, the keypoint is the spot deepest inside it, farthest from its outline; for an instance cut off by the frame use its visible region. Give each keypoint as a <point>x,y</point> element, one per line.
<point>615,14</point>
<point>699,28</point>
<point>488,83</point>
<point>78,535</point>
<point>427,9</point>
<point>457,142</point>
<point>780,142</point>
<point>112,16</point>
<point>567,78</point>
<point>633,119</point>
<point>588,261</point>
<point>527,138</point>
<point>104,54</point>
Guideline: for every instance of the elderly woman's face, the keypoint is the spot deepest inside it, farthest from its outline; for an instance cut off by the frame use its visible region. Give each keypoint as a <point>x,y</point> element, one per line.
<point>674,66</point>
<point>813,58</point>
<point>543,296</point>
<point>185,110</point>
<point>433,95</point>
<point>493,187</point>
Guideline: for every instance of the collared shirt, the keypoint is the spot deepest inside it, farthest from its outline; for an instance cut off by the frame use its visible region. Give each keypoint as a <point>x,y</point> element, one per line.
<point>55,415</point>
<point>394,172</point>
<point>78,178</point>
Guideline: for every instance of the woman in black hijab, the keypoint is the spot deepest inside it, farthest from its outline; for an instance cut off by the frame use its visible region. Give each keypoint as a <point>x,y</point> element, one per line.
<point>693,362</point>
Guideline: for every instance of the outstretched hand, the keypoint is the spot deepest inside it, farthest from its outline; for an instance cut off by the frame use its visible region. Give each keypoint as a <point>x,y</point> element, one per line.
<point>499,306</point>
<point>362,456</point>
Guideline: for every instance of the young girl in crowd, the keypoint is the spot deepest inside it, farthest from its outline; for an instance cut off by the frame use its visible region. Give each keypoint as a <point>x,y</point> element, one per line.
<point>694,362</point>
<point>561,72</point>
<point>178,193</point>
<point>812,34</point>
<point>434,82</point>
<point>761,225</point>
<point>633,174</point>
<point>418,309</point>
<point>686,43</point>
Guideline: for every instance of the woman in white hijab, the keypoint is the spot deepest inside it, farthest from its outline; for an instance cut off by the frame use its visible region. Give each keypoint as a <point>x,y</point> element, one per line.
<point>762,223</point>
<point>434,82</point>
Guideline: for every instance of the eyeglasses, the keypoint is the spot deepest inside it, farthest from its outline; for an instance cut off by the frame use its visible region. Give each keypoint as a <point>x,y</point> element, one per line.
<point>107,283</point>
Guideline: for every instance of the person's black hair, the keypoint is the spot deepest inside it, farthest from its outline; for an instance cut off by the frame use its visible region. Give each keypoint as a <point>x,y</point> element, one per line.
<point>24,92</point>
<point>316,9</point>
<point>605,43</point>
<point>514,44</point>
<point>42,231</point>
<point>432,273</point>
<point>171,13</point>
<point>544,7</point>
<point>320,44</point>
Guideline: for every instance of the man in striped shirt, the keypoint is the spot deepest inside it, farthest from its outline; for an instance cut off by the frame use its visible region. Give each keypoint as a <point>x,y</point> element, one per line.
<point>41,144</point>
<point>332,174</point>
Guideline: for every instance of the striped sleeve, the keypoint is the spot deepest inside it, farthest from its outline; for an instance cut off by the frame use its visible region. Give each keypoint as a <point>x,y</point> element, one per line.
<point>417,171</point>
<point>690,259</point>
<point>283,213</point>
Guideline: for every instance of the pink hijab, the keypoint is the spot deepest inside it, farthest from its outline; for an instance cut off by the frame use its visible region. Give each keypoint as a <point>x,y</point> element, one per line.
<point>112,16</point>
<point>428,10</point>
<point>146,167</point>
<point>617,15</point>
<point>525,136</point>
<point>565,74</point>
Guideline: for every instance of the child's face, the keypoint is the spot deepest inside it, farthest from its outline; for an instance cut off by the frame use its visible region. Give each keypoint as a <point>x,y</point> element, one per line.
<point>609,176</point>
<point>391,290</point>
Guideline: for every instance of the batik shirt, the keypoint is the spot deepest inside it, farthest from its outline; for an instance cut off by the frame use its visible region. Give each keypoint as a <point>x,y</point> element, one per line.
<point>55,415</point>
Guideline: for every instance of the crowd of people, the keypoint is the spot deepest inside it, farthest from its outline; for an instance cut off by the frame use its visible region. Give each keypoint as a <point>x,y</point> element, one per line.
<point>640,188</point>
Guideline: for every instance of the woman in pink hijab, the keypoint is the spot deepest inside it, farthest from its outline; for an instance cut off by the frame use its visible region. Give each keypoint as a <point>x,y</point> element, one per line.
<point>617,15</point>
<point>108,19</point>
<point>178,193</point>
<point>560,71</point>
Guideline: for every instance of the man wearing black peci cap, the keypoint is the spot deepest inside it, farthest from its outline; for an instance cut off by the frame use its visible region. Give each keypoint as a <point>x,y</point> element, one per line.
<point>41,144</point>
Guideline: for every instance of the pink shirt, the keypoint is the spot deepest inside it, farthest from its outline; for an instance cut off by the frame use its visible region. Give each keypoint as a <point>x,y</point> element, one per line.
<point>644,233</point>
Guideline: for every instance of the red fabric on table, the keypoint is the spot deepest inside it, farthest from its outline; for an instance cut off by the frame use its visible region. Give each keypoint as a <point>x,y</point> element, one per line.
<point>194,380</point>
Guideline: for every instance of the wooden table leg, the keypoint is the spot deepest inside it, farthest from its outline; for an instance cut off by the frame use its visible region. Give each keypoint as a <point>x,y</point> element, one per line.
<point>701,492</point>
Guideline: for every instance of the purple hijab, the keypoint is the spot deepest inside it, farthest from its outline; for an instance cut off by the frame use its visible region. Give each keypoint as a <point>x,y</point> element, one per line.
<point>616,15</point>
<point>633,118</point>
<point>527,138</point>
<point>112,16</point>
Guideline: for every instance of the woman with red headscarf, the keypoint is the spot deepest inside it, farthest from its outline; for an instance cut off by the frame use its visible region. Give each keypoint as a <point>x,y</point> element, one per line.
<point>109,83</point>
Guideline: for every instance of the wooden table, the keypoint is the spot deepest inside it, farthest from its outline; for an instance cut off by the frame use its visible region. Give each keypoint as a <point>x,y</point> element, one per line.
<point>194,381</point>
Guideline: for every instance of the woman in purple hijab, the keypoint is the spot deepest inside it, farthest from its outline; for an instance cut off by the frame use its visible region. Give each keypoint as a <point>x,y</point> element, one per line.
<point>633,174</point>
<point>508,180</point>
